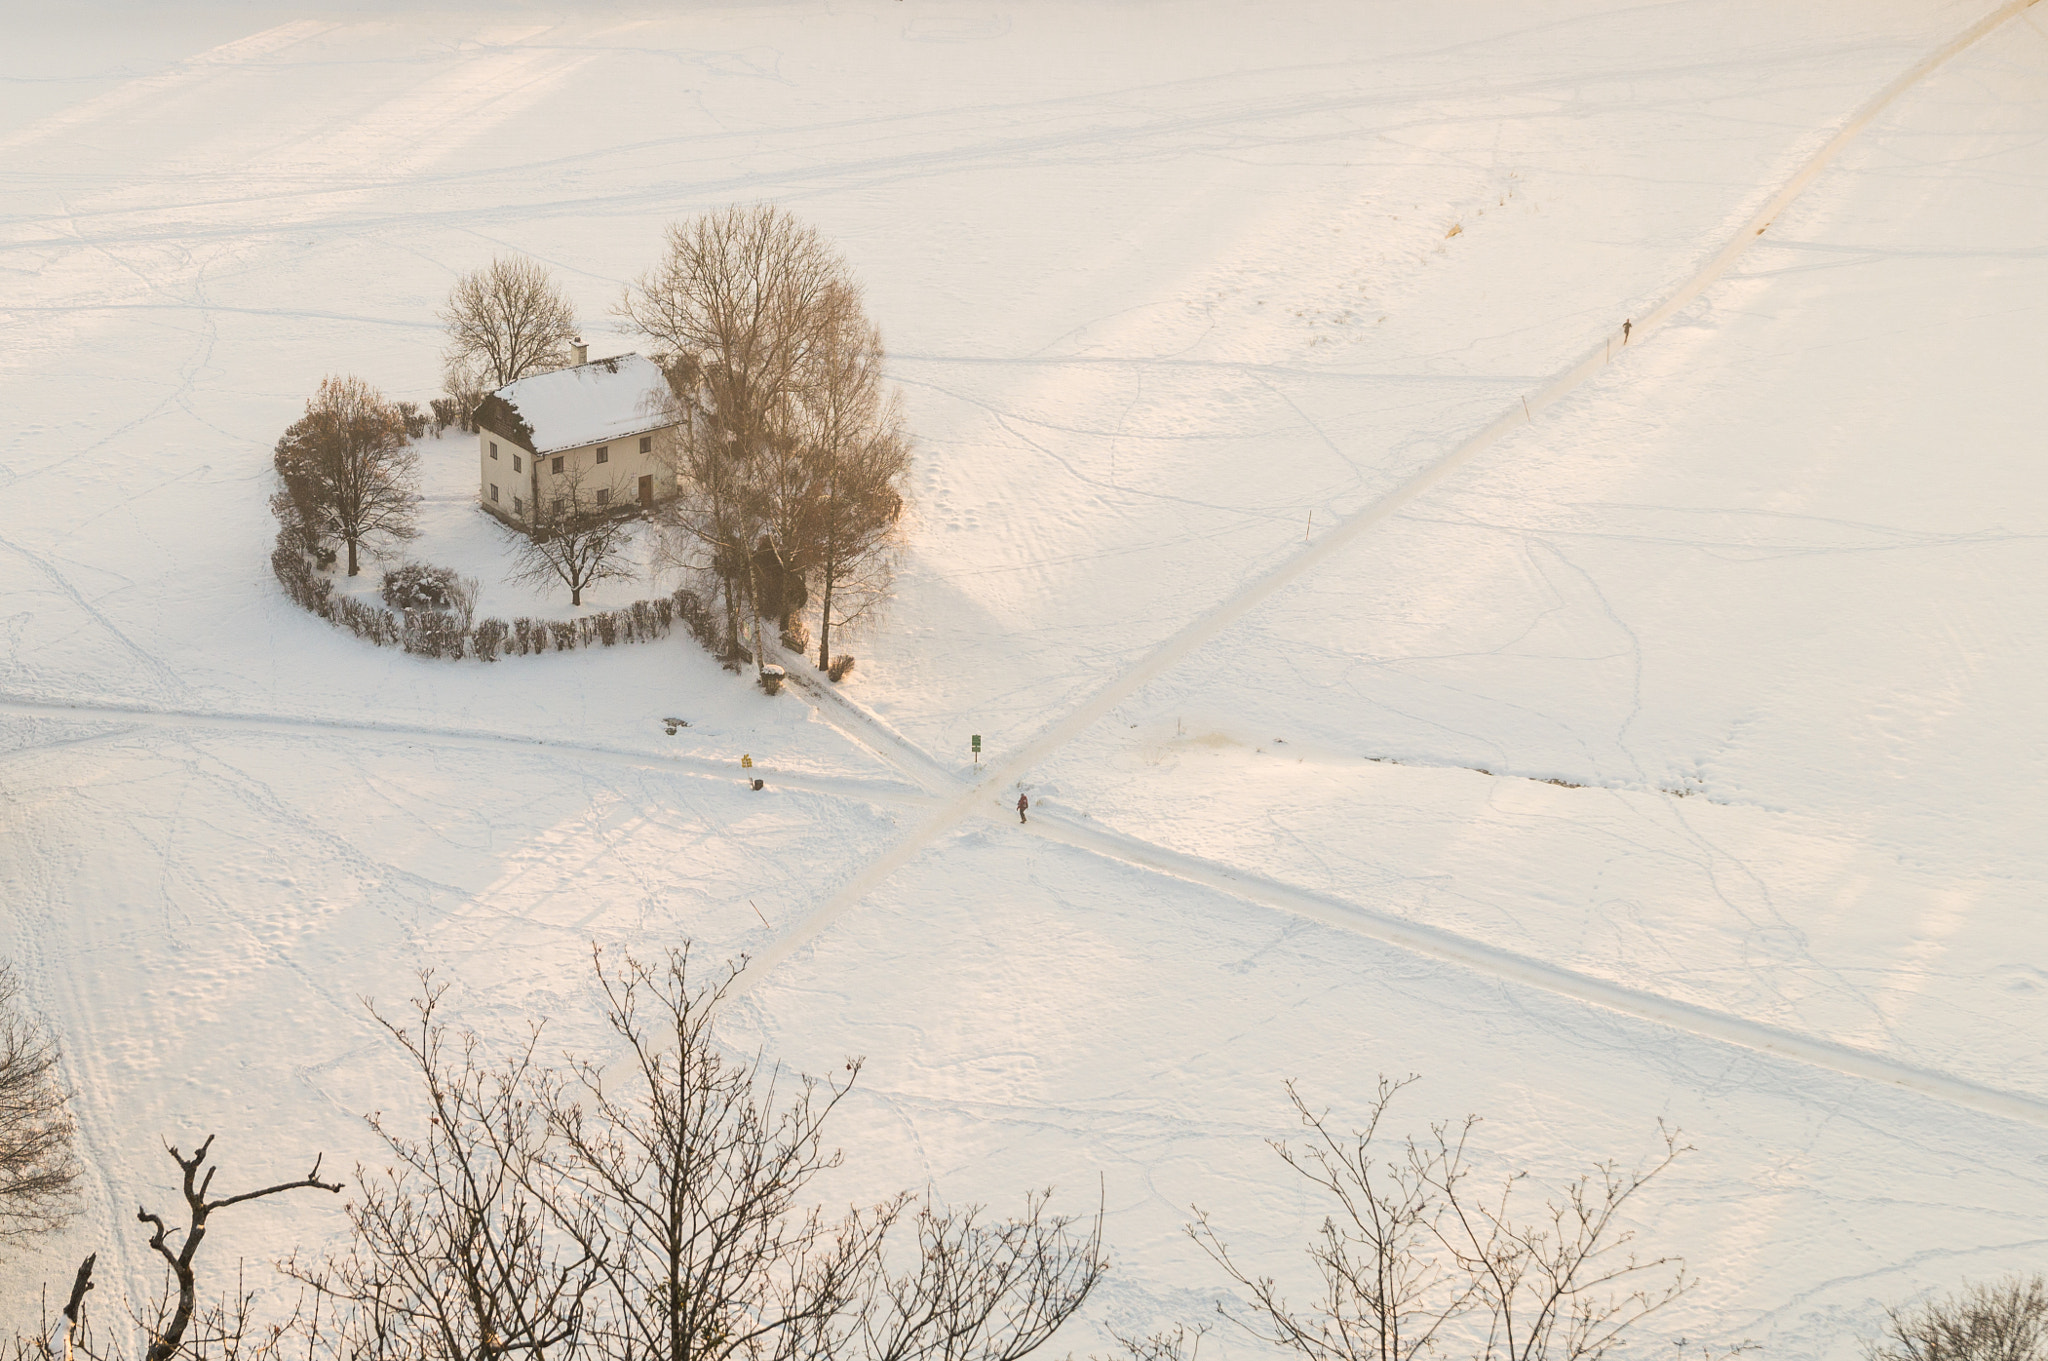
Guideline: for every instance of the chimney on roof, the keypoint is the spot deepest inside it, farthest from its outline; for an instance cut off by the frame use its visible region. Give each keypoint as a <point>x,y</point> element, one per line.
<point>579,353</point>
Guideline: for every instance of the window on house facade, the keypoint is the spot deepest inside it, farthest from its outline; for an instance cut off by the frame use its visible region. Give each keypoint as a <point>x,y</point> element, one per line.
<point>518,506</point>
<point>515,463</point>
<point>647,444</point>
<point>561,505</point>
<point>494,448</point>
<point>604,495</point>
<point>604,453</point>
<point>494,491</point>
<point>557,466</point>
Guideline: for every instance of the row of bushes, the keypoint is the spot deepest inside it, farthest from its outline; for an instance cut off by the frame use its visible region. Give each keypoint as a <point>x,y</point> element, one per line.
<point>450,634</point>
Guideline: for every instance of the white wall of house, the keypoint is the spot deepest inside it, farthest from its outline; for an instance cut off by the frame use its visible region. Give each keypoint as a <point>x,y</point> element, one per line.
<point>505,477</point>
<point>509,470</point>
<point>626,462</point>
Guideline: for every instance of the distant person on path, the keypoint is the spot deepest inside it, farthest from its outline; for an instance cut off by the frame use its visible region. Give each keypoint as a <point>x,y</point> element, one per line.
<point>1626,327</point>
<point>1023,802</point>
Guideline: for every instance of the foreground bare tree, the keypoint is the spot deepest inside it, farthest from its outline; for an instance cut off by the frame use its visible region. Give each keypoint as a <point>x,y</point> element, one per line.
<point>505,321</point>
<point>38,1169</point>
<point>684,1175</point>
<point>2005,1321</point>
<point>577,538</point>
<point>978,1291</point>
<point>348,470</point>
<point>1415,1261</point>
<point>660,1210</point>
<point>451,1256</point>
<point>742,306</point>
<point>200,1206</point>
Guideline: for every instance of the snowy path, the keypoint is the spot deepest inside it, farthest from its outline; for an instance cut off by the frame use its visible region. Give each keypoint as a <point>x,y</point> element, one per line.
<point>1010,772</point>
<point>1156,298</point>
<point>1485,959</point>
<point>868,791</point>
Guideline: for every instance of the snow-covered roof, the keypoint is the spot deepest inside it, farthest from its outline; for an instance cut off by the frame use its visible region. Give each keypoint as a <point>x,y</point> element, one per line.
<point>606,399</point>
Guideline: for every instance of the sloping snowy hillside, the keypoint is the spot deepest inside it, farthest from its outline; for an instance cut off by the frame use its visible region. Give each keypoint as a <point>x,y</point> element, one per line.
<point>1676,753</point>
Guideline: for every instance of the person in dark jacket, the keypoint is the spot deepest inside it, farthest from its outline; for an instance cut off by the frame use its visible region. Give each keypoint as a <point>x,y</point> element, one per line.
<point>1023,802</point>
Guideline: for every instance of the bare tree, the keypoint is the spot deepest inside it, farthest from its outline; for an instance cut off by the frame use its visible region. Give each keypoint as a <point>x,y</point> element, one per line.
<point>978,1291</point>
<point>38,1168</point>
<point>683,1178</point>
<point>1413,1262</point>
<point>741,306</point>
<point>348,469</point>
<point>844,510</point>
<point>656,1210</point>
<point>451,1256</point>
<point>169,1335</point>
<point>577,538</point>
<point>2006,1321</point>
<point>504,321</point>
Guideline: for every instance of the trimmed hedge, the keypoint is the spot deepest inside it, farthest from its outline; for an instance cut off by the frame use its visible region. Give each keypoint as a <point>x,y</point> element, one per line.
<point>438,633</point>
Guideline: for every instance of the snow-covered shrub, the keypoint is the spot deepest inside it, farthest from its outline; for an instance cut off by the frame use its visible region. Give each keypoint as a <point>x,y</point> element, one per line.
<point>696,618</point>
<point>564,633</point>
<point>307,589</point>
<point>432,633</point>
<point>419,586</point>
<point>414,418</point>
<point>488,638</point>
<point>841,668</point>
<point>446,413</point>
<point>796,635</point>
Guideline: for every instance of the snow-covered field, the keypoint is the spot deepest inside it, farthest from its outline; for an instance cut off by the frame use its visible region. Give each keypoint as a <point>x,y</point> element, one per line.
<point>1677,754</point>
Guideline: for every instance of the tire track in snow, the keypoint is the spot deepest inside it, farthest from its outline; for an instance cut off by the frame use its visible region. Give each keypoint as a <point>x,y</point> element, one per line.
<point>1478,957</point>
<point>1208,626</point>
<point>699,767</point>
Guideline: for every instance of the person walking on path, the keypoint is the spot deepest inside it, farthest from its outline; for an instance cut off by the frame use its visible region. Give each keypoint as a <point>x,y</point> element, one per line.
<point>1023,802</point>
<point>1626,327</point>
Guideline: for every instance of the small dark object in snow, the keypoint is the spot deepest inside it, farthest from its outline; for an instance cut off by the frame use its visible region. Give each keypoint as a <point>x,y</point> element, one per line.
<point>673,723</point>
<point>759,783</point>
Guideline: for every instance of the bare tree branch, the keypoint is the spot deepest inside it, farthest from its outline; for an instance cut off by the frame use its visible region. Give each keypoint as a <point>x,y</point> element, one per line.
<point>505,321</point>
<point>1413,1262</point>
<point>38,1169</point>
<point>576,539</point>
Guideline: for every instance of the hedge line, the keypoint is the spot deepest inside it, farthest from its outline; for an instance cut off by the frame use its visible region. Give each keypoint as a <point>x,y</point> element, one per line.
<point>436,633</point>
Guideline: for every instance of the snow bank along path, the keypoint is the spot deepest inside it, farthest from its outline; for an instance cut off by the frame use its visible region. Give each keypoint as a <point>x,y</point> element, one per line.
<point>1207,627</point>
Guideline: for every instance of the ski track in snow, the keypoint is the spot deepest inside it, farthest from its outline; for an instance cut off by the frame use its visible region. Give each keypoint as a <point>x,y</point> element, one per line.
<point>978,796</point>
<point>871,791</point>
<point>1480,957</point>
<point>948,796</point>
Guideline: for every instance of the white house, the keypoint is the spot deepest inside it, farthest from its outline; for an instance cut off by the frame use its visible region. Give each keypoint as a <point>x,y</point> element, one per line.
<point>597,422</point>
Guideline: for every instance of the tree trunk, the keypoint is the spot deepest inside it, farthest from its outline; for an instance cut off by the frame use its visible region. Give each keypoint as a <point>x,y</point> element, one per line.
<point>576,596</point>
<point>352,557</point>
<point>825,618</point>
<point>754,609</point>
<point>831,568</point>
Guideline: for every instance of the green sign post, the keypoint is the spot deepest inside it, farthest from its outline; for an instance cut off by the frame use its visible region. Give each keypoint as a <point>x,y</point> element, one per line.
<point>976,742</point>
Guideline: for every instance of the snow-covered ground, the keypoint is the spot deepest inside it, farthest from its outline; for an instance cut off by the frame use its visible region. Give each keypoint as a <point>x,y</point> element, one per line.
<point>1675,755</point>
